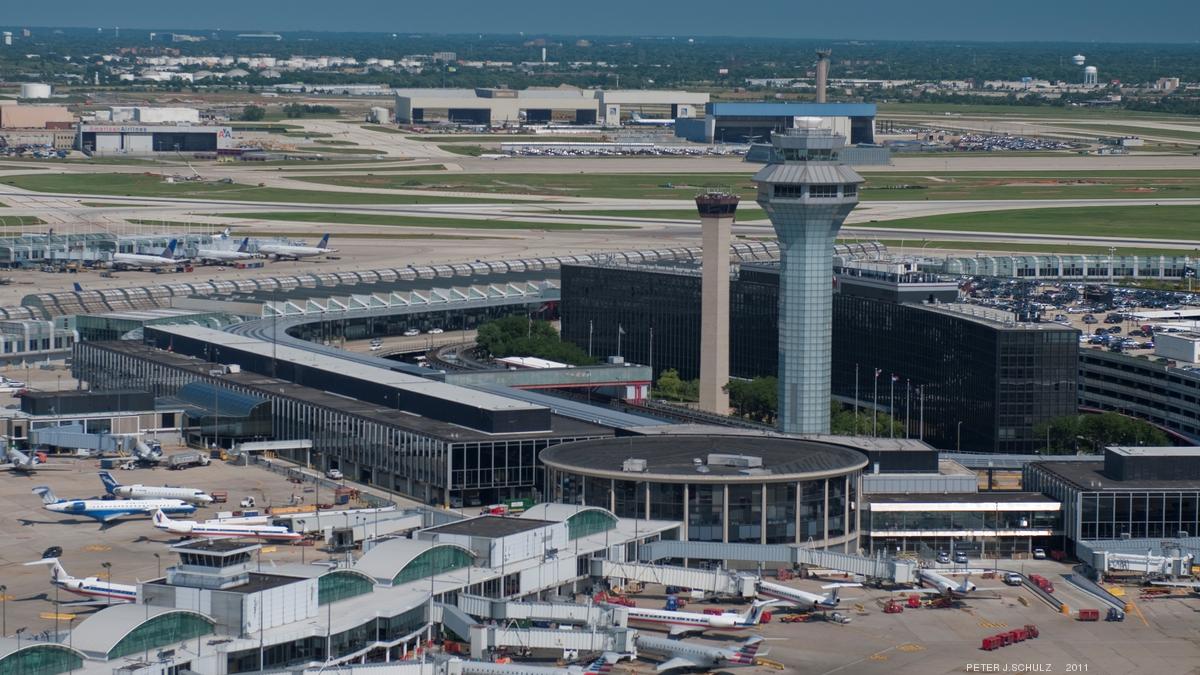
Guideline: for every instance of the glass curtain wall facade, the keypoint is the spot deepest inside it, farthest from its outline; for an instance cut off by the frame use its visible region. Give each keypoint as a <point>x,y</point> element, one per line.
<point>819,511</point>
<point>161,630</point>
<point>370,449</point>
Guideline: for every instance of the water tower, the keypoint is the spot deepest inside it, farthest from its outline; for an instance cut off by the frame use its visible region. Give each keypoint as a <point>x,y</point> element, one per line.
<point>1078,59</point>
<point>1090,75</point>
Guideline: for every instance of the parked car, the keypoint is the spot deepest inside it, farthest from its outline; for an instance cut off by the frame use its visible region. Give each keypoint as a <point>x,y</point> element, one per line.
<point>334,474</point>
<point>960,558</point>
<point>1039,554</point>
<point>1012,579</point>
<point>436,331</point>
<point>411,332</point>
<point>943,557</point>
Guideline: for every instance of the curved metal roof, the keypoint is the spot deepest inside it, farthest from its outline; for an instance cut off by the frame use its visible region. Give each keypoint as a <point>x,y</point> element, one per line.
<point>225,402</point>
<point>100,632</point>
<point>386,560</point>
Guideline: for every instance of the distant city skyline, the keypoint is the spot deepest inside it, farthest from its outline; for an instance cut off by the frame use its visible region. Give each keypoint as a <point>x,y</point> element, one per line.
<point>1161,21</point>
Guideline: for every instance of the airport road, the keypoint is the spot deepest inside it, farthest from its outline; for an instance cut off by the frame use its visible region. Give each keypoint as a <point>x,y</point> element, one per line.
<point>923,641</point>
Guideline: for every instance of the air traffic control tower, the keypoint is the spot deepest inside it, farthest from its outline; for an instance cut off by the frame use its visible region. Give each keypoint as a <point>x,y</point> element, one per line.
<point>807,193</point>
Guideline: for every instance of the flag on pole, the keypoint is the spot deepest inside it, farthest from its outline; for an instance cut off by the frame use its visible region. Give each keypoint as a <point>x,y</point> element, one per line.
<point>895,377</point>
<point>878,372</point>
<point>620,329</point>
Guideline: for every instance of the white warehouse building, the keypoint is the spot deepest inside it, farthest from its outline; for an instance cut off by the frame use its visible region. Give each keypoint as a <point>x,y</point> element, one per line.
<point>563,105</point>
<point>104,139</point>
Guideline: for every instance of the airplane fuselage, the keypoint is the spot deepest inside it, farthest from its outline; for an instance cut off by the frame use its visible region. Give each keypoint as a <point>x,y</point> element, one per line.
<point>108,509</point>
<point>153,492</point>
<point>93,587</point>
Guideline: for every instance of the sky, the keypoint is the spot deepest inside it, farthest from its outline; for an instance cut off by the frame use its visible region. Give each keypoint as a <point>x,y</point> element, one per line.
<point>950,20</point>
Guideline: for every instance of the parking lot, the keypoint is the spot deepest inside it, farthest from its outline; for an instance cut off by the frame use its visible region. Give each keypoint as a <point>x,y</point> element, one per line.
<point>1159,636</point>
<point>129,544</point>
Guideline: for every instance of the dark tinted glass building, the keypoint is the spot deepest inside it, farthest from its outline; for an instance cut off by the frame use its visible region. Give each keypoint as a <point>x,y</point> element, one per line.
<point>988,381</point>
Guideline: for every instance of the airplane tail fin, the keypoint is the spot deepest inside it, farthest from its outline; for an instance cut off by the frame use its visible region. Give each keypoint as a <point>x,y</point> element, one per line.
<point>225,233</point>
<point>636,116</point>
<point>245,245</point>
<point>161,520</point>
<point>110,483</point>
<point>603,664</point>
<point>750,649</point>
<point>754,614</point>
<point>57,571</point>
<point>78,288</point>
<point>46,494</point>
<point>169,251</point>
<point>324,241</point>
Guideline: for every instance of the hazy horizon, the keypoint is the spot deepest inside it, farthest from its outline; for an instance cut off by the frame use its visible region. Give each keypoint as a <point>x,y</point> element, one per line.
<point>1166,21</point>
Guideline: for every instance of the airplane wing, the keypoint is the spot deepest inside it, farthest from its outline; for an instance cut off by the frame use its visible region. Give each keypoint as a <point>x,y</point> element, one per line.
<point>113,515</point>
<point>1177,584</point>
<point>681,631</point>
<point>675,664</point>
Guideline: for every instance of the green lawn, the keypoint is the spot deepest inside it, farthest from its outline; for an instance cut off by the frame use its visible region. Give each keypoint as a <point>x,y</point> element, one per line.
<point>20,221</point>
<point>386,130</point>
<point>508,138</point>
<point>468,150</point>
<point>341,150</point>
<point>879,186</point>
<point>1000,110</point>
<point>913,245</point>
<point>412,221</point>
<point>1122,130</point>
<point>1154,222</point>
<point>141,185</point>
<point>625,185</point>
<point>744,212</point>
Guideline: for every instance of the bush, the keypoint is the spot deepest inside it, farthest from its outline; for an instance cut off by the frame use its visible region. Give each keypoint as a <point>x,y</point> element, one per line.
<point>252,113</point>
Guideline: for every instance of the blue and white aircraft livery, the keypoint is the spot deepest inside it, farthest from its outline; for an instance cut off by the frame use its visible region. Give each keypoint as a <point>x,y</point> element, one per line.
<point>105,510</point>
<point>89,587</point>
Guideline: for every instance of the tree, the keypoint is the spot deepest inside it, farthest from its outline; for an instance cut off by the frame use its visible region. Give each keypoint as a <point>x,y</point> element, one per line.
<point>252,113</point>
<point>843,422</point>
<point>670,385</point>
<point>756,399</point>
<point>1090,434</point>
<point>519,336</point>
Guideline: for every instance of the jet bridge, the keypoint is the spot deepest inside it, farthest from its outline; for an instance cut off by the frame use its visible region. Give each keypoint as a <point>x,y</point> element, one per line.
<point>619,640</point>
<point>885,569</point>
<point>502,610</point>
<point>717,582</point>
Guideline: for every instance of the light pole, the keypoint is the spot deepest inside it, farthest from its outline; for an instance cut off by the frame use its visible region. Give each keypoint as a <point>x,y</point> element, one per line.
<point>958,437</point>
<point>19,631</point>
<point>158,563</point>
<point>4,609</point>
<point>108,579</point>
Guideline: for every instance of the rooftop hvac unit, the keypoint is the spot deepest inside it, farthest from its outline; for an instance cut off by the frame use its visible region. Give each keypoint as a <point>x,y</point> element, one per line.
<point>634,466</point>
<point>736,461</point>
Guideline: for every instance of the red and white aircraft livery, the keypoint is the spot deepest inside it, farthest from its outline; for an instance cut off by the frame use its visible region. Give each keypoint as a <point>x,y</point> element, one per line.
<point>90,587</point>
<point>217,529</point>
<point>686,623</point>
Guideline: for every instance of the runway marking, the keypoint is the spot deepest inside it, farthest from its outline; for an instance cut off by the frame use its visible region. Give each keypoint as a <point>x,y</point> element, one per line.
<point>97,548</point>
<point>879,656</point>
<point>911,647</point>
<point>993,624</point>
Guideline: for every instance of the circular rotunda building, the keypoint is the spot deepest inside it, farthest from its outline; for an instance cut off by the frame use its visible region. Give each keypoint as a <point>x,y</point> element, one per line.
<point>726,488</point>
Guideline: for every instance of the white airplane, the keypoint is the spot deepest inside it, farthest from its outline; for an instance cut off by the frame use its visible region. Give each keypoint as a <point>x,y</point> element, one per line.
<point>19,462</point>
<point>687,623</point>
<point>640,121</point>
<point>944,585</point>
<point>798,598</point>
<point>220,255</point>
<point>223,529</point>
<point>297,252</point>
<point>601,666</point>
<point>682,655</point>
<point>141,260</point>
<point>89,587</point>
<point>139,491</point>
<point>144,454</point>
<point>105,510</point>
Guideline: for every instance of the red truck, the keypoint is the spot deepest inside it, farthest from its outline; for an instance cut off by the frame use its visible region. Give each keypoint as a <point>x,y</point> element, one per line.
<point>1042,582</point>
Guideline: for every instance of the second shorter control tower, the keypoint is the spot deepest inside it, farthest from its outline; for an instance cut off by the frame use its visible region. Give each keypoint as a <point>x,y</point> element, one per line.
<point>807,193</point>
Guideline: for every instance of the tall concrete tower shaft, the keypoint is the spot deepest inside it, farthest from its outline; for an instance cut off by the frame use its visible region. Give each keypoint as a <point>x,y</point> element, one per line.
<point>807,193</point>
<point>822,73</point>
<point>716,222</point>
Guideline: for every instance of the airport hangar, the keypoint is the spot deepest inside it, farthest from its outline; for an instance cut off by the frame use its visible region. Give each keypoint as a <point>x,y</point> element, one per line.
<point>566,105</point>
<point>747,122</point>
<point>144,139</point>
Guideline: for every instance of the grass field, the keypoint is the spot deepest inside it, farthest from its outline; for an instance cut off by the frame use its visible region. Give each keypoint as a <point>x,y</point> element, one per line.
<point>1122,130</point>
<point>507,138</point>
<point>627,185</point>
<point>1176,223</point>
<point>386,130</point>
<point>140,185</point>
<point>744,213</point>
<point>913,245</point>
<point>20,221</point>
<point>468,150</point>
<point>342,150</point>
<point>879,186</point>
<point>412,221</point>
<point>1019,111</point>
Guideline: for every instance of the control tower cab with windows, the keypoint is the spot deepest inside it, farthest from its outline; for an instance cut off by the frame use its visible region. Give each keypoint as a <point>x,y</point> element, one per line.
<point>807,193</point>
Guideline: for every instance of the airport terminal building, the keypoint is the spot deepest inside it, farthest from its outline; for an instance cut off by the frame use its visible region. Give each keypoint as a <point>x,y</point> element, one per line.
<point>725,122</point>
<point>723,488</point>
